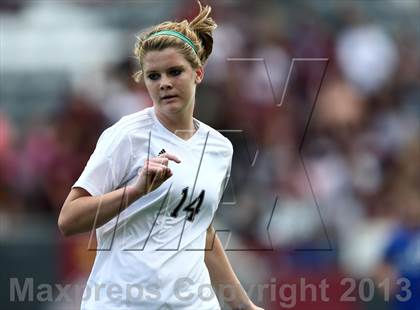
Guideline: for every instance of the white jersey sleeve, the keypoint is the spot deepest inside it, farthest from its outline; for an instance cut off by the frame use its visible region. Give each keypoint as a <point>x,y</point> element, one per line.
<point>109,164</point>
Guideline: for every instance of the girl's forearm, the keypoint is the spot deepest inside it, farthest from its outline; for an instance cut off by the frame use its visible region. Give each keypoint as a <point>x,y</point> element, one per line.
<point>82,213</point>
<point>223,278</point>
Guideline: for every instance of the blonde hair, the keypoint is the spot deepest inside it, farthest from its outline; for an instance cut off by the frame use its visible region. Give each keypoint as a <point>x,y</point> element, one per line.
<point>199,31</point>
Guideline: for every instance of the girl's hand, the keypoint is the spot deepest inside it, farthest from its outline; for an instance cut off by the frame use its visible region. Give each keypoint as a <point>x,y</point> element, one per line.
<point>154,172</point>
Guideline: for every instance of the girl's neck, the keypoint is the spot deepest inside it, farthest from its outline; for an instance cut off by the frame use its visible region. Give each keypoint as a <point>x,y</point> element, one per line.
<point>181,124</point>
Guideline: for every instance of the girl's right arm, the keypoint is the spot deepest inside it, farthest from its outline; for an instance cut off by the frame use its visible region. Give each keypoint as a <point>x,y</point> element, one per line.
<point>82,212</point>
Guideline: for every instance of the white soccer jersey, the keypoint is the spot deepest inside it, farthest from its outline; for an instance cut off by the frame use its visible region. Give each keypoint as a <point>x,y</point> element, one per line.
<point>151,256</point>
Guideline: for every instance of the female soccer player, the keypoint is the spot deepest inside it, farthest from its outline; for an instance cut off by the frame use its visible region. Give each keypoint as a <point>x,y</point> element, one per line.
<point>152,186</point>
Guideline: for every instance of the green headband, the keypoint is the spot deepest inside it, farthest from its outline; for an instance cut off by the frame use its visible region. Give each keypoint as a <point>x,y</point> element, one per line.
<point>175,34</point>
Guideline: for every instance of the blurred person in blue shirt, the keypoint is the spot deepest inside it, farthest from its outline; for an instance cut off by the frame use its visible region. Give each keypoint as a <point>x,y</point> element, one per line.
<point>401,259</point>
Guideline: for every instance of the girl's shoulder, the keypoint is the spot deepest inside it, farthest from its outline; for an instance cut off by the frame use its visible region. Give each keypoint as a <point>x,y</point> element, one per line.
<point>137,120</point>
<point>217,136</point>
<point>131,123</point>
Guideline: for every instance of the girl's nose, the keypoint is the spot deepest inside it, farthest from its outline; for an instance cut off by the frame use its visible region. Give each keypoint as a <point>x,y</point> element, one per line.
<point>165,83</point>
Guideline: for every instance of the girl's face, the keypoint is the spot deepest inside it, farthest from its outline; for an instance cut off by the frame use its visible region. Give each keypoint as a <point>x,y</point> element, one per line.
<point>171,81</point>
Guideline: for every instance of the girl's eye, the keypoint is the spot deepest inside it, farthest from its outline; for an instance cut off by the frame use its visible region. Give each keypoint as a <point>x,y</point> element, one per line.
<point>175,72</point>
<point>153,76</point>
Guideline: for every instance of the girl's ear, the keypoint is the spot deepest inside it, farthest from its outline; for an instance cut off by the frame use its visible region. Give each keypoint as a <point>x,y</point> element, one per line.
<point>199,74</point>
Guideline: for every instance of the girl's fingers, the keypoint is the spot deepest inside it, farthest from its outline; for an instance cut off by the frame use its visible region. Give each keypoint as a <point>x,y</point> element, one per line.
<point>158,176</point>
<point>153,166</point>
<point>158,170</point>
<point>160,160</point>
<point>163,159</point>
<point>170,156</point>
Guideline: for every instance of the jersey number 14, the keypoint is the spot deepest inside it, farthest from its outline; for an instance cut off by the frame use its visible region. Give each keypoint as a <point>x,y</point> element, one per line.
<point>192,208</point>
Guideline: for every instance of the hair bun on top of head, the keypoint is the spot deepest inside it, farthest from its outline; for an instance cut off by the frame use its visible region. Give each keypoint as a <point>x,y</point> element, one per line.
<point>196,36</point>
<point>203,26</point>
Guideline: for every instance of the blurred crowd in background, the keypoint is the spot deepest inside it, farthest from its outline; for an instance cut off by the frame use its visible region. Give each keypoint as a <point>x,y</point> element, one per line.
<point>326,171</point>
